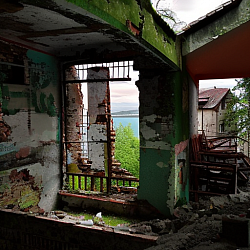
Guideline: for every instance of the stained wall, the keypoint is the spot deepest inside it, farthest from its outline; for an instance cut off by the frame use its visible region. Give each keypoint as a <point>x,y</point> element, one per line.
<point>163,122</point>
<point>29,128</point>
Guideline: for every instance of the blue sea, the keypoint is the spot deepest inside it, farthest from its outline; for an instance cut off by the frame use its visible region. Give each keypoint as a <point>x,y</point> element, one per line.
<point>125,120</point>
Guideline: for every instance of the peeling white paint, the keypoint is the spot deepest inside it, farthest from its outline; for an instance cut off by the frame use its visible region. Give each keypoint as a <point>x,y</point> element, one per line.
<point>97,132</point>
<point>96,155</point>
<point>161,164</point>
<point>150,118</point>
<point>161,145</point>
<point>171,190</point>
<point>97,93</point>
<point>147,132</point>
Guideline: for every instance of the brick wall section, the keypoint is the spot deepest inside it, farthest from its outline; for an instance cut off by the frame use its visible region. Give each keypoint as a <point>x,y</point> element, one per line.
<point>74,115</point>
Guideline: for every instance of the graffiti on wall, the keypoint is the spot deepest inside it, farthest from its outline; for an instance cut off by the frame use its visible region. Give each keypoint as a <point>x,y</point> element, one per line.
<point>29,113</point>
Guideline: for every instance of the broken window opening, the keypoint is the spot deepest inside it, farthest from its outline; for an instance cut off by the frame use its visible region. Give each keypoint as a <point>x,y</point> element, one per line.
<point>90,163</point>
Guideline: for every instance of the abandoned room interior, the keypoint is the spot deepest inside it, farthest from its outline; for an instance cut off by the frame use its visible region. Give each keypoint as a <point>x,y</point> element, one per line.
<point>57,142</point>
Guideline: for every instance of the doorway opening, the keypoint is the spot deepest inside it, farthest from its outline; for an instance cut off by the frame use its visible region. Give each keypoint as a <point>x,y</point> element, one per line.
<point>90,163</point>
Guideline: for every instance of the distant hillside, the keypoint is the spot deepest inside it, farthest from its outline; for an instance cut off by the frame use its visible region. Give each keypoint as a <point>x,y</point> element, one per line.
<point>127,112</point>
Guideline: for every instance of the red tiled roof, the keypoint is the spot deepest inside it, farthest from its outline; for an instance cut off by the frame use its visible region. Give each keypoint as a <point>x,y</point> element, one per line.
<point>212,96</point>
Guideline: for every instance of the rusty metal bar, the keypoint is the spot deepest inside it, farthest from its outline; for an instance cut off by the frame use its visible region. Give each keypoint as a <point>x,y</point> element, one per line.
<point>109,144</point>
<point>92,183</point>
<point>73,181</point>
<point>85,182</point>
<point>101,184</point>
<point>79,182</point>
<point>84,176</point>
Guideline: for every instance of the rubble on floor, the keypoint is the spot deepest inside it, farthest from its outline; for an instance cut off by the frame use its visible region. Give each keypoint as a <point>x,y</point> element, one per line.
<point>198,225</point>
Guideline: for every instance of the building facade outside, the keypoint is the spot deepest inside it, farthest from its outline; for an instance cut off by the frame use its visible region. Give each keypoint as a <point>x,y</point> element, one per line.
<point>212,109</point>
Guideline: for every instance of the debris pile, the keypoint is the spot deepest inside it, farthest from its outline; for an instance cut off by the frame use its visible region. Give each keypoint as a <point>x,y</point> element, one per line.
<point>200,225</point>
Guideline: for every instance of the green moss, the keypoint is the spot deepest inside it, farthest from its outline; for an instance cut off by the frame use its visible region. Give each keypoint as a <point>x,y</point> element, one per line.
<point>28,198</point>
<point>155,31</point>
<point>110,220</point>
<point>116,12</point>
<point>4,187</point>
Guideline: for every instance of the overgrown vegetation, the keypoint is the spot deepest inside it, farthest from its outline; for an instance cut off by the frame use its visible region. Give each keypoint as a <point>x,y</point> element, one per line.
<point>108,219</point>
<point>127,149</point>
<point>238,112</point>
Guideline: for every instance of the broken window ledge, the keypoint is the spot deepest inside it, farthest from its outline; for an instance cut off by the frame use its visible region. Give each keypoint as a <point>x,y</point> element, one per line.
<point>38,229</point>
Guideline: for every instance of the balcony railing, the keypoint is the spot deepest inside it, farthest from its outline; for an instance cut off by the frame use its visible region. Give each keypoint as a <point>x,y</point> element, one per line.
<point>90,182</point>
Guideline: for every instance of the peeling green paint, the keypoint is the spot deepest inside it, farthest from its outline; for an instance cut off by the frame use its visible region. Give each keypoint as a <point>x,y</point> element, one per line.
<point>115,12</point>
<point>153,185</point>
<point>163,125</point>
<point>170,201</point>
<point>154,34</point>
<point>152,27</point>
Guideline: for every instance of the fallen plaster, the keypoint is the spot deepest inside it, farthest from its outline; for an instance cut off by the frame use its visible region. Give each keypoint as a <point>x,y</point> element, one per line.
<point>171,190</point>
<point>195,226</point>
<point>161,165</point>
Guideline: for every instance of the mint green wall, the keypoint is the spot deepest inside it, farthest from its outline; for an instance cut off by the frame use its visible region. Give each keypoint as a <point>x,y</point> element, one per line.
<point>31,109</point>
<point>164,140</point>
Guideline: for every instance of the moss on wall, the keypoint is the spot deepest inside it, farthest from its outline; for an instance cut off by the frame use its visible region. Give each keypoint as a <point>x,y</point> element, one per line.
<point>115,12</point>
<point>153,30</point>
<point>154,34</point>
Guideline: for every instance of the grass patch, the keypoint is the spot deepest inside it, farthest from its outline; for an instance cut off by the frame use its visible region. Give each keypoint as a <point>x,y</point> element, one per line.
<point>109,220</point>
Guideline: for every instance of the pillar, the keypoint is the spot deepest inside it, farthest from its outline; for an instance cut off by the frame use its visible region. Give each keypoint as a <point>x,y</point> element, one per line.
<point>163,124</point>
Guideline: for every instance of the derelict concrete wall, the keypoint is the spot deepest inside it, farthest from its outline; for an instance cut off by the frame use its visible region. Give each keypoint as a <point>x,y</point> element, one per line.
<point>30,134</point>
<point>164,138</point>
<point>193,107</point>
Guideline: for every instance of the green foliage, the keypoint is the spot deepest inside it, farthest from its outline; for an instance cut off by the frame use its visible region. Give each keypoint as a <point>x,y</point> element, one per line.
<point>237,116</point>
<point>127,149</point>
<point>108,219</point>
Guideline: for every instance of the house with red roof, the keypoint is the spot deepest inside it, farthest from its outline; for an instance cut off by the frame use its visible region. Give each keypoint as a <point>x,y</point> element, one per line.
<point>212,109</point>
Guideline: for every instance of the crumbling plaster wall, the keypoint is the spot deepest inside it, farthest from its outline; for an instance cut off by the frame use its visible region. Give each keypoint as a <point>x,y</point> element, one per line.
<point>30,106</point>
<point>73,112</point>
<point>97,110</point>
<point>164,134</point>
<point>193,106</point>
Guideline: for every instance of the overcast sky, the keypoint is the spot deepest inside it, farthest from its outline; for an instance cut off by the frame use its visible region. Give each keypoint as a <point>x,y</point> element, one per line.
<point>190,10</point>
<point>124,96</point>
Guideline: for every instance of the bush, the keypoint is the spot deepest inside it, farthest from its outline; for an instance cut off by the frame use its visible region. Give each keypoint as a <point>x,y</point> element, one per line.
<point>127,149</point>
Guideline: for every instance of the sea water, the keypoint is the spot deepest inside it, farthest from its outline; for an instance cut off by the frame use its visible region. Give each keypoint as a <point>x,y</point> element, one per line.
<point>125,121</point>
